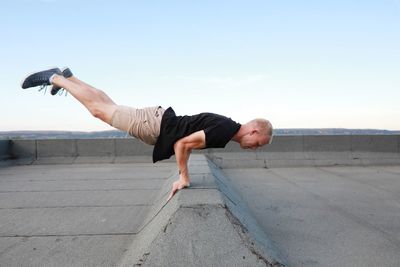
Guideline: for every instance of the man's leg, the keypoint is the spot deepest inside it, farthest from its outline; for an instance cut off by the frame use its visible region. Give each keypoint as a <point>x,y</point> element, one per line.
<point>96,101</point>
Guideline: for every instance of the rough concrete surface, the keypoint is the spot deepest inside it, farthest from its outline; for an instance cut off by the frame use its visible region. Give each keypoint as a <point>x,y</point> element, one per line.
<point>74,215</point>
<point>117,215</point>
<point>329,216</point>
<point>303,201</point>
<point>196,229</point>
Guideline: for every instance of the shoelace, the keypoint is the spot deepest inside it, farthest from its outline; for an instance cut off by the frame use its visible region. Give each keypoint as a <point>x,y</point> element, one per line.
<point>43,86</point>
<point>60,92</point>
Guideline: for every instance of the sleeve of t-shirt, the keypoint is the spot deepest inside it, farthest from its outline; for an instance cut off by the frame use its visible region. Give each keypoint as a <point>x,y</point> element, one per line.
<point>218,135</point>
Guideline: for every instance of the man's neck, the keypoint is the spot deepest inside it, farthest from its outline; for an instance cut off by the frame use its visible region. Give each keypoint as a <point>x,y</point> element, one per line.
<point>242,132</point>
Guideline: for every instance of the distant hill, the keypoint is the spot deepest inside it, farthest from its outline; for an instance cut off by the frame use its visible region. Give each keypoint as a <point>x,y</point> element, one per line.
<point>334,131</point>
<point>120,134</point>
<point>61,135</point>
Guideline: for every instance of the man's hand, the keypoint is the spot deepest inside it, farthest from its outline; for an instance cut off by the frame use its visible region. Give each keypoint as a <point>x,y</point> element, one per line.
<point>177,185</point>
<point>183,147</point>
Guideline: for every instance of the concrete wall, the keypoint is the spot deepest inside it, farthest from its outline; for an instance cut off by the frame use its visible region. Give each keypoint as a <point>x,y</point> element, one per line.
<point>328,143</point>
<point>284,151</point>
<point>79,151</point>
<point>297,151</point>
<point>4,149</point>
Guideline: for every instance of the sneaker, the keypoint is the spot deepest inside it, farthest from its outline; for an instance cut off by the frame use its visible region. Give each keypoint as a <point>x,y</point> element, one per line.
<point>66,72</point>
<point>41,78</point>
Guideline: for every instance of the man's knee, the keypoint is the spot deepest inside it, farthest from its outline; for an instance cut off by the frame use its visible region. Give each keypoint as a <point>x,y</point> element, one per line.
<point>97,113</point>
<point>103,112</point>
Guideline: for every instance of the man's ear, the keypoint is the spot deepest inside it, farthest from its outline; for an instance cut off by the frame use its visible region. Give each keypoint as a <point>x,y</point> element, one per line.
<point>253,131</point>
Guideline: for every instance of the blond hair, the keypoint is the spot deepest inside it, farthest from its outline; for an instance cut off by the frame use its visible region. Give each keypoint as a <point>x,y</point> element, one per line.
<point>264,126</point>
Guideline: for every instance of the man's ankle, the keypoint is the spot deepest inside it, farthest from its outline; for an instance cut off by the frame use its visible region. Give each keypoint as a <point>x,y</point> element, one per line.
<point>54,78</point>
<point>185,181</point>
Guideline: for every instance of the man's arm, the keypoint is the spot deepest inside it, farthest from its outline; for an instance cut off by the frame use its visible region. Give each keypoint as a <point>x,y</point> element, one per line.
<point>182,148</point>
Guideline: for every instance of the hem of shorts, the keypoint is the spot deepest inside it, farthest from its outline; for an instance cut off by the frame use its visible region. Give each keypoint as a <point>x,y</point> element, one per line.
<point>112,117</point>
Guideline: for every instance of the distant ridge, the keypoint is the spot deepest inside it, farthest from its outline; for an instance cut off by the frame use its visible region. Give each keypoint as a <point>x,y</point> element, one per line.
<point>333,131</point>
<point>61,134</point>
<point>120,134</point>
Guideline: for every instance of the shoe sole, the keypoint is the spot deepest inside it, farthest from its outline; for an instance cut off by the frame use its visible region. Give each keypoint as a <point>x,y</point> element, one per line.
<point>23,80</point>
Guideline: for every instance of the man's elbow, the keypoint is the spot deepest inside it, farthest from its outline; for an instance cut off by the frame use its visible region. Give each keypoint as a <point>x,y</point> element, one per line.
<point>181,146</point>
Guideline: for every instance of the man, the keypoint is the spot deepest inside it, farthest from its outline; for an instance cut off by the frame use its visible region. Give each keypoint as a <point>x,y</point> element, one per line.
<point>170,134</point>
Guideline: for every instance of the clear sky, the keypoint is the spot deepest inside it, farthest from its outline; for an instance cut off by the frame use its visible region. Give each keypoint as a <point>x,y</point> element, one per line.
<point>301,64</point>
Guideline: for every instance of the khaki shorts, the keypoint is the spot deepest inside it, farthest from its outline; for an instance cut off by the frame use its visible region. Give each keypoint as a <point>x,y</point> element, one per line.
<point>143,124</point>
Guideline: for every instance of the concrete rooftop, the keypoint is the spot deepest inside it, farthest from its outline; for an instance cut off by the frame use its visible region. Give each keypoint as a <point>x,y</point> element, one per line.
<point>302,201</point>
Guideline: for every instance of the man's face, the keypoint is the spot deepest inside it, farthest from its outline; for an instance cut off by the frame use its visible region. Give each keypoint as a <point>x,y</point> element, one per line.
<point>254,140</point>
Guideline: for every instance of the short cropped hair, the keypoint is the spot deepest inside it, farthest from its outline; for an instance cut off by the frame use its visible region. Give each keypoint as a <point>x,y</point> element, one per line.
<point>264,126</point>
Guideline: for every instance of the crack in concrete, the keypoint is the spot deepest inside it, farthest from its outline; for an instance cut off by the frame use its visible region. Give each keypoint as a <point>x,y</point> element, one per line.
<point>142,259</point>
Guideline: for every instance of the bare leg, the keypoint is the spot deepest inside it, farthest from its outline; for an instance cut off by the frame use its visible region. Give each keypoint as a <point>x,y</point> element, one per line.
<point>96,101</point>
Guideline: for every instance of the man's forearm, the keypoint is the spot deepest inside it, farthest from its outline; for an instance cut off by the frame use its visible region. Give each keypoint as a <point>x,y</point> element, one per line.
<point>183,148</point>
<point>182,156</point>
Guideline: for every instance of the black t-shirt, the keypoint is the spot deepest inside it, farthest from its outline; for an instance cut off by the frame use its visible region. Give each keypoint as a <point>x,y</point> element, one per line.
<point>218,129</point>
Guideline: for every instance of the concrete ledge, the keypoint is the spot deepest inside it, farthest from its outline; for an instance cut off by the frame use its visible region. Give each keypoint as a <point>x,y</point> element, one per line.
<point>56,148</point>
<point>132,147</point>
<point>68,151</point>
<point>285,144</point>
<point>197,228</point>
<point>302,159</point>
<point>95,147</point>
<point>375,143</point>
<point>285,151</point>
<point>245,220</point>
<point>5,153</point>
<point>4,149</point>
<point>313,151</point>
<point>23,149</point>
<point>327,143</point>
